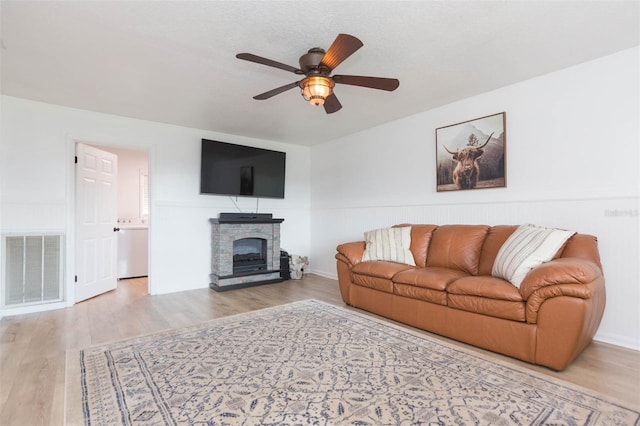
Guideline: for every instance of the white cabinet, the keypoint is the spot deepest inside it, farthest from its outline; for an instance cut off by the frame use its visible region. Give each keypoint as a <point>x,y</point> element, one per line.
<point>133,252</point>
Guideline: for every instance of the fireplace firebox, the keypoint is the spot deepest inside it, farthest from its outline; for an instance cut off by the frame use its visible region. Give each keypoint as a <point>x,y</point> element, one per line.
<point>249,255</point>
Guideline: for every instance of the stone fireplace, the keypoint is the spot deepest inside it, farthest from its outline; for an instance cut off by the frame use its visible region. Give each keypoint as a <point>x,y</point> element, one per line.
<point>245,251</point>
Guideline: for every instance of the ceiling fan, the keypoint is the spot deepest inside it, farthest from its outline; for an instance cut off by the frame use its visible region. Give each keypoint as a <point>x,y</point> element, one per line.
<point>316,65</point>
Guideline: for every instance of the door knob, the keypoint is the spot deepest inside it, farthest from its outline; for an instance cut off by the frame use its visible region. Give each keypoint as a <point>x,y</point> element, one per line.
<point>116,229</point>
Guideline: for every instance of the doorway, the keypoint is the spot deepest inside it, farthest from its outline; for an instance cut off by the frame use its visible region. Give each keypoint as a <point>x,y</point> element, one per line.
<point>120,206</point>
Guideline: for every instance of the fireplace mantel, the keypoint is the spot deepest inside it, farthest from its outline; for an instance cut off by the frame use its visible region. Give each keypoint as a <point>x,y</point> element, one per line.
<point>246,220</point>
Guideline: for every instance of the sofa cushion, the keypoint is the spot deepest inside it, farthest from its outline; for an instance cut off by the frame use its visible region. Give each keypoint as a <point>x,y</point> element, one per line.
<point>420,293</point>
<point>496,237</point>
<point>376,283</point>
<point>377,274</point>
<point>485,286</point>
<point>529,246</point>
<point>391,244</point>
<point>487,295</point>
<point>380,268</point>
<point>507,309</point>
<point>420,238</point>
<point>457,247</point>
<point>431,278</point>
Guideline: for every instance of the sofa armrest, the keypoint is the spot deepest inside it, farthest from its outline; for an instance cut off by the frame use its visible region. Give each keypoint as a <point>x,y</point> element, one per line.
<point>570,276</point>
<point>568,270</point>
<point>351,252</point>
<point>581,291</point>
<point>566,324</point>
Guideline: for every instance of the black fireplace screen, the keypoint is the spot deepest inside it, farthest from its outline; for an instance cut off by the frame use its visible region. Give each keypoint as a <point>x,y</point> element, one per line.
<point>249,255</point>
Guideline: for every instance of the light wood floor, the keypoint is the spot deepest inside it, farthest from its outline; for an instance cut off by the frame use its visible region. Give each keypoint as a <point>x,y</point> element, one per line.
<point>33,346</point>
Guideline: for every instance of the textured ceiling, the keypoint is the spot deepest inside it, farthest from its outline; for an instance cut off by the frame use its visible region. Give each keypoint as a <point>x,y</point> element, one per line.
<point>174,62</point>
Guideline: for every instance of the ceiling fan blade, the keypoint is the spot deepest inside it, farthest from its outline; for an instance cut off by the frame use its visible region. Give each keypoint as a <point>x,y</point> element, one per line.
<point>342,47</point>
<point>276,91</point>
<point>268,62</point>
<point>381,83</point>
<point>332,104</point>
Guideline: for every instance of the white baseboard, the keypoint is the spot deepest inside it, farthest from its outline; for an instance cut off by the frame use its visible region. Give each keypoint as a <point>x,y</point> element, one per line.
<point>617,340</point>
<point>324,274</point>
<point>8,312</point>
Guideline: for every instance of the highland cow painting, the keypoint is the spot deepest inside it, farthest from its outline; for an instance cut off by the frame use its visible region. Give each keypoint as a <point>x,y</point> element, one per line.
<point>471,154</point>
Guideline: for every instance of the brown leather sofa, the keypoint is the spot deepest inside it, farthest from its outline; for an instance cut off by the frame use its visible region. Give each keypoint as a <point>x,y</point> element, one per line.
<point>548,321</point>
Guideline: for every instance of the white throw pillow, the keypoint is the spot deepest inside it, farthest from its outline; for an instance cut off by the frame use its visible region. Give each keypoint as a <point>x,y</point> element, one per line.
<point>528,247</point>
<point>390,244</point>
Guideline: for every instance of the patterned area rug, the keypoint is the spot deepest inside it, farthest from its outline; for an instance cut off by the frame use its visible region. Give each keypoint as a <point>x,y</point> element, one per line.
<point>313,363</point>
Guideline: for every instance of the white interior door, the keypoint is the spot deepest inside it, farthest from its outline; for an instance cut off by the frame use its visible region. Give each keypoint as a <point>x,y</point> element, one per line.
<point>96,232</point>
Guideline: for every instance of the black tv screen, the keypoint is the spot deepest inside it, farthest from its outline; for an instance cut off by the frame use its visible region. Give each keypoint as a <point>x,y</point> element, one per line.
<point>229,169</point>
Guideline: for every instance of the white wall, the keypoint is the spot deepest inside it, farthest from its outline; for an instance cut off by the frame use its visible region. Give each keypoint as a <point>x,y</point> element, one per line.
<point>131,163</point>
<point>572,162</point>
<point>36,178</point>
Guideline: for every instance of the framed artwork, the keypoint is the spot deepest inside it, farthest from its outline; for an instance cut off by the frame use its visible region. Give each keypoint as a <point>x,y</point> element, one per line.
<point>472,154</point>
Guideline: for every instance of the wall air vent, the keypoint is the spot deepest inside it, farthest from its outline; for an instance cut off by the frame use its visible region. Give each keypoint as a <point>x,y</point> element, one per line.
<point>33,272</point>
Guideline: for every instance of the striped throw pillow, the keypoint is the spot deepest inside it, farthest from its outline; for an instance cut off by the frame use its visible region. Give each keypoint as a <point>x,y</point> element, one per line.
<point>528,247</point>
<point>391,244</point>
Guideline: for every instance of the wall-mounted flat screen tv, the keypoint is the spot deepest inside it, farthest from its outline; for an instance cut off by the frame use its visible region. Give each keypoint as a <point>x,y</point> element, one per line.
<point>229,169</point>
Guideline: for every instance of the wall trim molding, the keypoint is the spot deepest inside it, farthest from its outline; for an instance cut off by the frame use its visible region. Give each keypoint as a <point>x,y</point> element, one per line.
<point>476,203</point>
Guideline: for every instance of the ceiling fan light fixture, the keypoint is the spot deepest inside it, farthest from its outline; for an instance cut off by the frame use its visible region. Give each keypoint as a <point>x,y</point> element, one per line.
<point>316,89</point>
<point>316,66</point>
